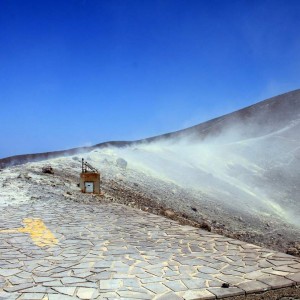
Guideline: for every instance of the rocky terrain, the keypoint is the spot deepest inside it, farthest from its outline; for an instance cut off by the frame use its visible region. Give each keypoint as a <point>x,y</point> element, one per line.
<point>27,183</point>
<point>237,175</point>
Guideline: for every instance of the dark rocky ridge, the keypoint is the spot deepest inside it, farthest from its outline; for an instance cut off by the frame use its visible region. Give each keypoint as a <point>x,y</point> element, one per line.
<point>268,115</point>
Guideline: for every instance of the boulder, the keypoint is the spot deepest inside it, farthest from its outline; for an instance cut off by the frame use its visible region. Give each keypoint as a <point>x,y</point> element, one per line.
<point>169,213</point>
<point>121,163</point>
<point>47,170</point>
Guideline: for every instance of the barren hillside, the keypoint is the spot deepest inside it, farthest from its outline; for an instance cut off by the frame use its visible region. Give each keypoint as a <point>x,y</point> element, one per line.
<point>237,174</point>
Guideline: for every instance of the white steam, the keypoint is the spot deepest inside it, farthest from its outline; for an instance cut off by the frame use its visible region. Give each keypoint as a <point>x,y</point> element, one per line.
<point>256,175</point>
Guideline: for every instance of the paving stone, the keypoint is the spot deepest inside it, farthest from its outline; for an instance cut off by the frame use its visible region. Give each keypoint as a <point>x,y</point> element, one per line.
<point>274,272</point>
<point>111,284</point>
<point>230,279</point>
<point>32,296</point>
<point>170,296</point>
<point>203,276</point>
<point>87,293</point>
<point>284,269</point>
<point>281,256</point>
<point>42,279</point>
<point>208,270</point>
<point>11,265</point>
<point>109,295</point>
<point>280,262</point>
<point>61,275</point>
<point>100,276</point>
<point>253,286</point>
<point>294,265</point>
<point>36,289</point>
<point>2,282</point>
<point>68,280</point>
<point>14,280</point>
<point>275,282</point>
<point>265,264</point>
<point>231,272</point>
<point>8,296</point>
<point>83,274</point>
<point>155,272</point>
<point>18,287</point>
<point>59,297</point>
<point>248,269</point>
<point>9,272</point>
<point>52,283</point>
<point>152,279</point>
<point>202,294</point>
<point>254,275</point>
<point>225,292</point>
<point>65,290</point>
<point>144,275</point>
<point>194,283</point>
<point>294,277</point>
<point>103,264</point>
<point>134,295</point>
<point>131,282</point>
<point>176,285</point>
<point>156,288</point>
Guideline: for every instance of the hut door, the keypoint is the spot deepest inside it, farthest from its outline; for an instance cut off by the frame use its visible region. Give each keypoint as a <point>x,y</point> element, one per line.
<point>89,187</point>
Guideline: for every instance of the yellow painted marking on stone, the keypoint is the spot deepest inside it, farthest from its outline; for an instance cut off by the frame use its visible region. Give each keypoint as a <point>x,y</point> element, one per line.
<point>38,231</point>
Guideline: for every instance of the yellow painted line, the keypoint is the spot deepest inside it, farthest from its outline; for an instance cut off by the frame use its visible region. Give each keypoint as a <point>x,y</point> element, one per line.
<point>38,231</point>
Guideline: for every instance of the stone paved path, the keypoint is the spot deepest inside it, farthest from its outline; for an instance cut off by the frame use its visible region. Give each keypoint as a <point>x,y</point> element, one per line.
<point>109,251</point>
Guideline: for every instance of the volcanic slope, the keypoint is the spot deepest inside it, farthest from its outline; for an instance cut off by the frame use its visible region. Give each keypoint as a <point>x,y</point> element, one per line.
<point>237,174</point>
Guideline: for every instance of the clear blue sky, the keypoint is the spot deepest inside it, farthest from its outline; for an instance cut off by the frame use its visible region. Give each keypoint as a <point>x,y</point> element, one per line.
<point>80,72</point>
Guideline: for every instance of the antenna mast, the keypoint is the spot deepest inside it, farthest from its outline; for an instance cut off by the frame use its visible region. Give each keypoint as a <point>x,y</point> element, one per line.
<point>86,167</point>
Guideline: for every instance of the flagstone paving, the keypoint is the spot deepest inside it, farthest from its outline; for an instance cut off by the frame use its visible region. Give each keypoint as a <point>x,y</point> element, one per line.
<point>109,251</point>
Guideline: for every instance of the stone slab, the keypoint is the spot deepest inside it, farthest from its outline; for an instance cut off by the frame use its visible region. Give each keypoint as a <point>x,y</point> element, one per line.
<point>113,251</point>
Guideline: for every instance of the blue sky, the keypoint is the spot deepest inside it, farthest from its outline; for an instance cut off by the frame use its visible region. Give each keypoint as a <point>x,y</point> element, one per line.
<point>78,73</point>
